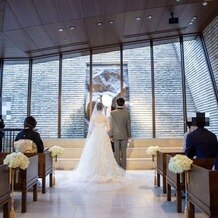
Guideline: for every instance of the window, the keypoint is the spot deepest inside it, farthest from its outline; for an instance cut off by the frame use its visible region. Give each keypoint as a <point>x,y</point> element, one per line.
<point>14,93</point>
<point>44,99</point>
<point>73,96</point>
<point>138,65</point>
<point>168,92</point>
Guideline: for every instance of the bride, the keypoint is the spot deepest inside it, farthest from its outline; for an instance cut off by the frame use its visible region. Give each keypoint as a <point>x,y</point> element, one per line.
<point>97,163</point>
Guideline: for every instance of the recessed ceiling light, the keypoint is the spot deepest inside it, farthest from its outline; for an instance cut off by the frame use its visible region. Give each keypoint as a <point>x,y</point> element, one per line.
<point>99,23</point>
<point>190,23</point>
<point>205,3</point>
<point>72,28</point>
<point>149,17</point>
<point>111,22</point>
<point>60,29</point>
<point>138,18</point>
<point>194,18</point>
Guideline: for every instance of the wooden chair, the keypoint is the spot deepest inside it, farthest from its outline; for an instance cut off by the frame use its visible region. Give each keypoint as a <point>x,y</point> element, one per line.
<point>45,166</point>
<point>203,188</point>
<point>177,181</point>
<point>26,179</point>
<point>162,166</point>
<point>4,190</point>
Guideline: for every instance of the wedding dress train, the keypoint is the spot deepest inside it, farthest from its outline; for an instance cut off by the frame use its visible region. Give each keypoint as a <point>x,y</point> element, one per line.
<point>97,164</point>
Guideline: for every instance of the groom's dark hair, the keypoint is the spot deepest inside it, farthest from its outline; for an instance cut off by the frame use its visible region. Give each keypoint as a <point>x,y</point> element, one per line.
<point>120,102</point>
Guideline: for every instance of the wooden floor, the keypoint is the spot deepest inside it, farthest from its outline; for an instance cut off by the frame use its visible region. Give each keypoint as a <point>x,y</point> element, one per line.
<point>138,200</point>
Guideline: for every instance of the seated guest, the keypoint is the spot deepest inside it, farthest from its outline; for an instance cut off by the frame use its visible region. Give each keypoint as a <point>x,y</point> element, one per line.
<point>190,129</point>
<point>201,143</point>
<point>29,133</point>
<point>216,162</point>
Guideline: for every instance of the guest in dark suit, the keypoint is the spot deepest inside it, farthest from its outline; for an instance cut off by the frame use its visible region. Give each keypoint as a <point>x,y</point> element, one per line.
<point>201,143</point>
<point>216,162</point>
<point>29,133</point>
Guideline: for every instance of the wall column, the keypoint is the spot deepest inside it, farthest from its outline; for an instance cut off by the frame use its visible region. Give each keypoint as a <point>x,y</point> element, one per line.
<point>59,95</point>
<point>29,87</point>
<point>153,90</point>
<point>121,71</point>
<point>90,82</point>
<point>183,84</point>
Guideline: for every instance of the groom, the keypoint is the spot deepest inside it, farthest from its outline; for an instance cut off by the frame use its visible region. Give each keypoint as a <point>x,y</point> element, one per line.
<point>120,131</point>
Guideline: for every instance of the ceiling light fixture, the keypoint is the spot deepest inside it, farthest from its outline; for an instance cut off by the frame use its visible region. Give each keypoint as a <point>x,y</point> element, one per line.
<point>60,29</point>
<point>193,20</point>
<point>111,22</point>
<point>99,23</point>
<point>149,17</point>
<point>138,18</point>
<point>72,28</point>
<point>205,3</point>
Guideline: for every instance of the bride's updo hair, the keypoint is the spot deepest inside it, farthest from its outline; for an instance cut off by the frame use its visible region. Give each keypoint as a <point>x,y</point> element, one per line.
<point>100,106</point>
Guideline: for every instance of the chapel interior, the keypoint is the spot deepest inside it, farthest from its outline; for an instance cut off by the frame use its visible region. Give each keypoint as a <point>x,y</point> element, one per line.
<point>58,57</point>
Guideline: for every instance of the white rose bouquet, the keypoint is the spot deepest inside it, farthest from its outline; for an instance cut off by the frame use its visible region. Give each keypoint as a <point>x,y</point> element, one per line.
<point>56,151</point>
<point>17,160</point>
<point>179,163</point>
<point>152,150</point>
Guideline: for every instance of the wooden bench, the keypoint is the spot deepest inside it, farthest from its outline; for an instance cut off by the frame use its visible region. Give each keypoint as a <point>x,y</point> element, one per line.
<point>4,190</point>
<point>203,189</point>
<point>177,181</point>
<point>162,166</point>
<point>45,166</point>
<point>26,179</point>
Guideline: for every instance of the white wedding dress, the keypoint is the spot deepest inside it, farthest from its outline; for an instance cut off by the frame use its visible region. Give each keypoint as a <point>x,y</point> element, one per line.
<point>97,164</point>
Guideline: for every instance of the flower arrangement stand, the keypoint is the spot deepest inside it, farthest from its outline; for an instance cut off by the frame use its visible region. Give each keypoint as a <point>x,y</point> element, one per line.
<point>26,179</point>
<point>162,166</point>
<point>177,181</point>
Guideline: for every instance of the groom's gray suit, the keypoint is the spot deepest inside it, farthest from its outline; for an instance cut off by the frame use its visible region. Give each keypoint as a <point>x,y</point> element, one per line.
<point>120,133</point>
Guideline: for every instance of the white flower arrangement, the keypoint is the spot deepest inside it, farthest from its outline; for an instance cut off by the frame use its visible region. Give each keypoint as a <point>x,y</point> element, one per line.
<point>152,150</point>
<point>179,163</point>
<point>56,151</point>
<point>17,160</point>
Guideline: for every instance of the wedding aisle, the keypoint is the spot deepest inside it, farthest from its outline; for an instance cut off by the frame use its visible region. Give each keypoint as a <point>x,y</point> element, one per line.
<point>138,200</point>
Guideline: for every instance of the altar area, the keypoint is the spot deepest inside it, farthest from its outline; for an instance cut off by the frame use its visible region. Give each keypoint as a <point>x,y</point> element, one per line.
<point>137,159</point>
